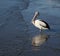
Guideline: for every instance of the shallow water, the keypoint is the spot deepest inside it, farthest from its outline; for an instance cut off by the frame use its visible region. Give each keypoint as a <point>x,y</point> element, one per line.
<point>18,37</point>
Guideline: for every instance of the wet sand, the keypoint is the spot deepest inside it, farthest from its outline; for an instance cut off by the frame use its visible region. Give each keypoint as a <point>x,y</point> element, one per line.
<point>18,37</point>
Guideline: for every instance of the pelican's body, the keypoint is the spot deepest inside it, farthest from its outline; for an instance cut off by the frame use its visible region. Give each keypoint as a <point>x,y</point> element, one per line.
<point>41,24</point>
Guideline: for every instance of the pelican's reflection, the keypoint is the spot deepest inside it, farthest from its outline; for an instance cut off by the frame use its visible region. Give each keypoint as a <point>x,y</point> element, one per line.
<point>39,40</point>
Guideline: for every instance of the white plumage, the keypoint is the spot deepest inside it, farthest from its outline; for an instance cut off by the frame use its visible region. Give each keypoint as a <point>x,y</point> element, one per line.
<point>41,24</point>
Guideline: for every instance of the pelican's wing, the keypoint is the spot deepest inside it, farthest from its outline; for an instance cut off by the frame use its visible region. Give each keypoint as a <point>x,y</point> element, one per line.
<point>44,24</point>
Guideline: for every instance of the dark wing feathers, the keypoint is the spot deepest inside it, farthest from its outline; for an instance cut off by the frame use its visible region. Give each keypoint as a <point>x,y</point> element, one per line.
<point>47,26</point>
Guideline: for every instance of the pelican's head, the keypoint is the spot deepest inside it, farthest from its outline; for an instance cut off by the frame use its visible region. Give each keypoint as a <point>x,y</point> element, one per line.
<point>36,13</point>
<point>35,16</point>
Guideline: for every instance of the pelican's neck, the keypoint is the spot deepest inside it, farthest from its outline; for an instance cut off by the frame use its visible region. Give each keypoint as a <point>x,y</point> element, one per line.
<point>34,17</point>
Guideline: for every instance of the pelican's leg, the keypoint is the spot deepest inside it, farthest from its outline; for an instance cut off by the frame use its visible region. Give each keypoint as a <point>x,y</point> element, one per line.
<point>41,30</point>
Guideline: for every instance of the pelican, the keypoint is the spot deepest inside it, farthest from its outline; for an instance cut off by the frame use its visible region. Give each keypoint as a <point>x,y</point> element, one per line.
<point>41,24</point>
